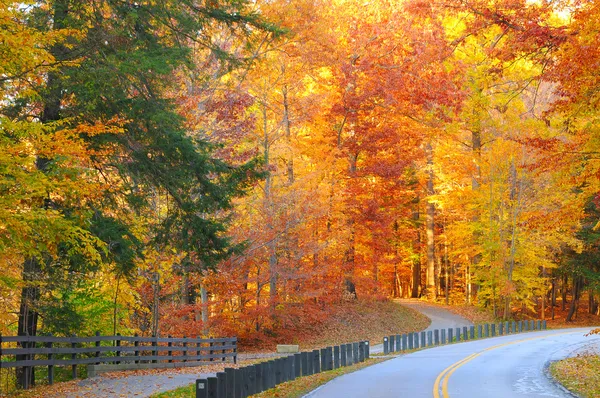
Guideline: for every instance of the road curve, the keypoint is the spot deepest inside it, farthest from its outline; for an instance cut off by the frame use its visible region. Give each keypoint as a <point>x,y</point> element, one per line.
<point>499,367</point>
<point>440,318</point>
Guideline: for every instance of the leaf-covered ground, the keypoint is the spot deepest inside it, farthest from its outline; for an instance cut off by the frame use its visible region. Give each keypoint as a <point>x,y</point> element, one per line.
<point>580,374</point>
<point>363,320</point>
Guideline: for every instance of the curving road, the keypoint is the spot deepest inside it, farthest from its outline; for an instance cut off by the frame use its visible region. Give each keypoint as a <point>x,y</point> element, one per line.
<point>440,318</point>
<point>499,367</point>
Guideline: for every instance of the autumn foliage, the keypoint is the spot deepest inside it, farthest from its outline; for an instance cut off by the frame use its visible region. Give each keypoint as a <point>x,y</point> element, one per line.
<point>242,168</point>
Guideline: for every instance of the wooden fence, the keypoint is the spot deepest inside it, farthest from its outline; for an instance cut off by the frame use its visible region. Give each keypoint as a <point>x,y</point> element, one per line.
<point>254,379</point>
<point>411,341</point>
<point>105,353</point>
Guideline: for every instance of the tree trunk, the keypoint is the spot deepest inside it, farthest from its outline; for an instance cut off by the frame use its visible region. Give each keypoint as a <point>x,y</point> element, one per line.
<point>563,292</point>
<point>416,265</point>
<point>30,294</point>
<point>430,227</point>
<point>575,302</point>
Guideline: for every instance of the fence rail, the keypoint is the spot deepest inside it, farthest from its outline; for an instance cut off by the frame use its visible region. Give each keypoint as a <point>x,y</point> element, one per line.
<point>111,352</point>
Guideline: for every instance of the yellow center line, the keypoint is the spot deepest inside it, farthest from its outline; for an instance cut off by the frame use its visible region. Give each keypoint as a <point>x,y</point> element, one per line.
<point>444,377</point>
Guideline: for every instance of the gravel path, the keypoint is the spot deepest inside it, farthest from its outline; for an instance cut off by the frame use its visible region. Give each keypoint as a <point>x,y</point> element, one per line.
<point>145,385</point>
<point>440,318</point>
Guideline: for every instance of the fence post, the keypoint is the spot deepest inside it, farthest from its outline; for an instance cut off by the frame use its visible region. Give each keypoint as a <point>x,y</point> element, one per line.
<point>336,357</point>
<point>316,363</point>
<point>222,384</point>
<point>98,345</point>
<point>210,352</point>
<point>544,325</point>
<point>443,336</point>
<point>487,330</point>
<point>212,387</point>
<point>235,352</point>
<point>170,344</point>
<point>416,339</point>
<point>239,381</point>
<point>185,351</point>
<point>539,325</point>
<point>423,339</point>
<point>355,354</point>
<point>367,349</point>
<point>223,351</point>
<point>50,367</point>
<point>361,351</point>
<point>392,343</point>
<point>349,357</point>
<point>136,343</point>
<point>436,337</point>
<point>429,338</point>
<point>304,360</point>
<point>117,345</point>
<point>493,330</point>
<point>201,388</point>
<point>479,331</point>
<point>472,330</point>
<point>450,335</point>
<point>154,350</point>
<point>73,357</point>
<point>500,329</point>
<point>343,355</point>
<point>386,347</point>
<point>457,335</point>
<point>230,382</point>
<point>251,378</point>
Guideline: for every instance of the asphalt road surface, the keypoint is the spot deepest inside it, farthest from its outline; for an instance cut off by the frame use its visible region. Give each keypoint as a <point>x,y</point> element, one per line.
<point>440,318</point>
<point>498,367</point>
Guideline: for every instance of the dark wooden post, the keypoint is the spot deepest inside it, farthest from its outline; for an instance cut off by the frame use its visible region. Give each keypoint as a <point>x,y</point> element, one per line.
<point>221,384</point>
<point>450,335</point>
<point>349,355</point>
<point>170,344</point>
<point>154,350</point>
<point>118,346</point>
<point>465,333</point>
<point>443,336</point>
<point>392,343</point>
<point>185,353</point>
<point>98,345</point>
<point>386,346</point>
<point>361,351</point>
<point>479,331</point>
<point>73,357</point>
<point>316,364</point>
<point>230,382</point>
<point>136,343</point>
<point>436,336</point>
<point>51,366</point>
<point>201,388</point>
<point>336,357</point>
<point>487,330</point>
<point>404,342</point>
<point>472,331</point>
<point>297,365</point>
<point>212,387</point>
<point>223,352</point>
<point>211,352</point>
<point>197,349</point>
<point>429,338</point>
<point>423,339</point>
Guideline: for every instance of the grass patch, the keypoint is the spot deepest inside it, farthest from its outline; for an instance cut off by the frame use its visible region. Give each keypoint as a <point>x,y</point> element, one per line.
<point>580,374</point>
<point>185,391</point>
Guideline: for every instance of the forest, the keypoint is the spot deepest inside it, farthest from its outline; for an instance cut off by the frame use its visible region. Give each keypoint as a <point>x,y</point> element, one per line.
<point>241,167</point>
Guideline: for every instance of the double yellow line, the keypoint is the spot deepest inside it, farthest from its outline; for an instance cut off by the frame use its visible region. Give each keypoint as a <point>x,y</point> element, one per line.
<point>444,377</point>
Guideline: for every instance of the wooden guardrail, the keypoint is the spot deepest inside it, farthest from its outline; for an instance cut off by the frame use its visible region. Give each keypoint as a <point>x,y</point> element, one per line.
<point>410,341</point>
<point>106,353</point>
<point>254,379</point>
